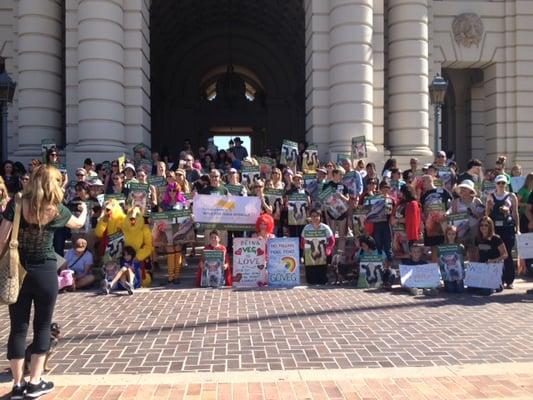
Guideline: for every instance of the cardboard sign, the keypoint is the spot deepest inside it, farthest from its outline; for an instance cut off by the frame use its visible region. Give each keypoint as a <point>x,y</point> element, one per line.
<point>524,243</point>
<point>213,272</point>
<point>420,276</point>
<point>370,272</point>
<point>310,159</point>
<point>332,203</point>
<point>249,263</point>
<point>275,199</point>
<point>350,179</point>
<point>298,209</point>
<point>289,154</point>
<point>283,262</point>
<point>451,262</point>
<point>250,175</point>
<point>115,245</point>
<point>486,276</point>
<point>315,246</point>
<point>359,149</point>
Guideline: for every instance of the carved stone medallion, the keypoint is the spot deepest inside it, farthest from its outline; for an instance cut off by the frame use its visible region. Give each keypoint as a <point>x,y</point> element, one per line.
<point>467,29</point>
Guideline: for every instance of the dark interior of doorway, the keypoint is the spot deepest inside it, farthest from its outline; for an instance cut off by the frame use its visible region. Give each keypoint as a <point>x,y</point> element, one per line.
<point>234,63</point>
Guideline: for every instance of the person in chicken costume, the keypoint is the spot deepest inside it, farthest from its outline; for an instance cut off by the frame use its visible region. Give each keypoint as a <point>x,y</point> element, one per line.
<point>137,234</point>
<point>110,223</point>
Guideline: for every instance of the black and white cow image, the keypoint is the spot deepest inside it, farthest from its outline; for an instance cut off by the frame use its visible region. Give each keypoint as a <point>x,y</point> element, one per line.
<point>318,248</point>
<point>373,274</point>
<point>311,160</point>
<point>299,211</point>
<point>278,203</point>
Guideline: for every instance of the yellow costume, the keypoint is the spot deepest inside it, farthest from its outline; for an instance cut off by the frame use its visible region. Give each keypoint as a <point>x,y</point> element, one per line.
<point>138,235</point>
<point>113,223</point>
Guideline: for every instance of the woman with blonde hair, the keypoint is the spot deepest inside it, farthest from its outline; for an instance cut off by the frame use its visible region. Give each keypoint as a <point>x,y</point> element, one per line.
<point>42,213</point>
<point>4,195</point>
<point>182,181</point>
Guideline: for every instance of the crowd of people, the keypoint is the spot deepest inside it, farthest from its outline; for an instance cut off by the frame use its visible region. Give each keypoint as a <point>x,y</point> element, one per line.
<point>400,216</point>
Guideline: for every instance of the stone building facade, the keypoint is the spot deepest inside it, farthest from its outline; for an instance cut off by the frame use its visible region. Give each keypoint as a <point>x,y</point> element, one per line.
<point>86,74</point>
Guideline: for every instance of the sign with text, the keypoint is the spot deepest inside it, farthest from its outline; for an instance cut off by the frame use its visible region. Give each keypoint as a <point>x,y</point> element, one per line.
<point>524,243</point>
<point>420,276</point>
<point>283,262</point>
<point>226,212</point>
<point>370,271</point>
<point>249,263</point>
<point>486,276</point>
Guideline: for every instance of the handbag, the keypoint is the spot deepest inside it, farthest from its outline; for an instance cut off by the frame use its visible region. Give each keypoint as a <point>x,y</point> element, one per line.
<point>11,271</point>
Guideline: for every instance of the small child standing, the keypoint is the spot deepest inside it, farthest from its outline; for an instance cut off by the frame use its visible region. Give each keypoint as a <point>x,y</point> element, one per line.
<point>128,275</point>
<point>416,252</point>
<point>214,244</point>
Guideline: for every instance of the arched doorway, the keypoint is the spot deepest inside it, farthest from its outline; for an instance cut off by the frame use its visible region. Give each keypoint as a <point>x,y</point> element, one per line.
<point>227,65</point>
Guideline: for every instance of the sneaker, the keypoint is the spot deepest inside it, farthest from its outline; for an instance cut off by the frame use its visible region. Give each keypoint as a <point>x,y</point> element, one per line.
<point>19,391</point>
<point>129,288</point>
<point>431,292</point>
<point>415,291</point>
<point>107,288</point>
<point>37,390</point>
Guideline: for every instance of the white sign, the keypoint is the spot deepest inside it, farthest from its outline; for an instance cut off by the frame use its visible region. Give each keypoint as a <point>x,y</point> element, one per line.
<point>226,210</point>
<point>486,276</point>
<point>524,244</point>
<point>420,276</point>
<point>249,263</point>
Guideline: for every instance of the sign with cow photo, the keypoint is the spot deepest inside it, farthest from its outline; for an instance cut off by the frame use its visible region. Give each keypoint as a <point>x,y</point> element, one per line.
<point>249,263</point>
<point>298,209</point>
<point>315,241</point>
<point>370,271</point>
<point>359,149</point>
<point>213,272</point>
<point>420,276</point>
<point>310,159</point>
<point>450,259</point>
<point>350,179</point>
<point>250,175</point>
<point>283,262</point>
<point>359,218</point>
<point>275,199</point>
<point>332,203</point>
<point>289,154</point>
<point>138,195</point>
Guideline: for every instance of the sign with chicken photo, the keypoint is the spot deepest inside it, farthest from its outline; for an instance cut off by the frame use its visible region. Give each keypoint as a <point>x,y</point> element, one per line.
<point>315,247</point>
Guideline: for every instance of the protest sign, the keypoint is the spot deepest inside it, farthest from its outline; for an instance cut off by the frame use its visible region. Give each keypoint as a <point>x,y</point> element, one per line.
<point>359,218</point>
<point>213,272</point>
<point>265,166</point>
<point>249,263</point>
<point>344,157</point>
<point>353,182</point>
<point>162,230</point>
<point>379,207</point>
<point>283,262</point>
<point>486,276</point>
<point>451,263</point>
<point>250,175</point>
<point>315,241</point>
<point>524,244</point>
<point>157,181</point>
<point>487,187</point>
<point>235,190</point>
<point>138,195</point>
<point>226,212</point>
<point>359,149</point>
<point>420,276</point>
<point>298,209</point>
<point>275,199</point>
<point>461,221</point>
<point>310,159</point>
<point>400,244</point>
<point>289,154</point>
<point>119,197</point>
<point>115,245</point>
<point>370,271</point>
<point>517,182</point>
<point>445,175</point>
<point>332,203</point>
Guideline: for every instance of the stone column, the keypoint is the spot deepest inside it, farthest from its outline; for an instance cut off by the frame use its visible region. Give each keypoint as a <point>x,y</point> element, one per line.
<point>408,94</point>
<point>40,75</point>
<point>101,79</point>
<point>351,73</point>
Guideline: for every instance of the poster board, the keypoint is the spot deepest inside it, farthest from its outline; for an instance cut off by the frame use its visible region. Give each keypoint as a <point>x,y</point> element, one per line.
<point>213,272</point>
<point>451,262</point>
<point>297,209</point>
<point>310,159</point>
<point>283,262</point>
<point>370,272</point>
<point>482,275</point>
<point>289,154</point>
<point>250,175</point>
<point>249,263</point>
<point>420,276</point>
<point>315,246</point>
<point>359,149</point>
<point>332,203</point>
<point>115,245</point>
<point>524,244</point>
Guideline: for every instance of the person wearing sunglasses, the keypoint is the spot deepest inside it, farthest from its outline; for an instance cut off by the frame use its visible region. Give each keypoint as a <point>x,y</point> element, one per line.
<point>502,208</point>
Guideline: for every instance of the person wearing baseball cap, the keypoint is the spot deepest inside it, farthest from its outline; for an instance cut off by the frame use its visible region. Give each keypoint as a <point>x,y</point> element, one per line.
<point>80,261</point>
<point>502,208</point>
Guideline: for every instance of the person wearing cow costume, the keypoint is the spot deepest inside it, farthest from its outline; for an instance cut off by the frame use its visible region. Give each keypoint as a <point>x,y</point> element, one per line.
<point>317,241</point>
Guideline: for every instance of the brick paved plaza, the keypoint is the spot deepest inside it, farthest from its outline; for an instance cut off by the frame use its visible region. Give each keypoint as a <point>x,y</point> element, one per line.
<point>315,330</point>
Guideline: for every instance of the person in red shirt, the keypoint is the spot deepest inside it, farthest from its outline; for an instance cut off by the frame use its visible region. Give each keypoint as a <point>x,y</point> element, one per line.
<point>214,244</point>
<point>411,215</point>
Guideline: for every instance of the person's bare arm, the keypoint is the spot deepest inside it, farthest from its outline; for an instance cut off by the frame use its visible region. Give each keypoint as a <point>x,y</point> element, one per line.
<point>516,217</point>
<point>78,222</point>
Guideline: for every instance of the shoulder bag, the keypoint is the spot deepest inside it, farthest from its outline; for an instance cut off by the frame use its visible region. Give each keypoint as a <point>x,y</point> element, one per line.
<point>11,271</point>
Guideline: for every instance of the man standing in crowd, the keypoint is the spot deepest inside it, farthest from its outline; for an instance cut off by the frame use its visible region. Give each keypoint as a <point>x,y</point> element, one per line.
<point>191,174</point>
<point>239,150</point>
<point>473,172</point>
<point>338,223</point>
<point>215,184</point>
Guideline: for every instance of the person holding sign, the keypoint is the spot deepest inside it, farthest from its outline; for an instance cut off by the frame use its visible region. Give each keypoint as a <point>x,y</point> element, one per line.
<point>416,253</point>
<point>296,202</point>
<point>317,242</point>
<point>490,249</point>
<point>337,201</point>
<point>451,260</point>
<point>502,208</point>
<point>214,244</point>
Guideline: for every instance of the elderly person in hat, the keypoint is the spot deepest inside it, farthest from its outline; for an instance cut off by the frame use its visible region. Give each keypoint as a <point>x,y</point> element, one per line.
<point>470,204</point>
<point>130,173</point>
<point>80,261</point>
<point>502,208</point>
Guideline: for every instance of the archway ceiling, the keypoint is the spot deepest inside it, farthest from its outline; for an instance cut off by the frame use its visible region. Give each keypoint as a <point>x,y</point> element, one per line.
<point>173,22</point>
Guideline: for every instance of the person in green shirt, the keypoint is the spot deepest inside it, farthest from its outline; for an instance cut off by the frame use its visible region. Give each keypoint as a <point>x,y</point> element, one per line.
<point>523,196</point>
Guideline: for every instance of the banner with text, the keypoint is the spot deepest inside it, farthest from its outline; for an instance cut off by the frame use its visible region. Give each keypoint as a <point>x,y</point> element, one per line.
<point>249,263</point>
<point>283,262</point>
<point>486,276</point>
<point>226,212</point>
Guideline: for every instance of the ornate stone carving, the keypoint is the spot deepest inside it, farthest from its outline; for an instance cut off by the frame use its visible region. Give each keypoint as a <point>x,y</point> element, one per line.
<point>467,29</point>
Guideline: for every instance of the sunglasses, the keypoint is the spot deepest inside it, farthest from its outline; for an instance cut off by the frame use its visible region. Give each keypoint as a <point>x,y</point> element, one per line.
<point>80,174</point>
<point>116,179</point>
<point>500,183</point>
<point>24,179</point>
<point>54,154</point>
<point>189,159</point>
